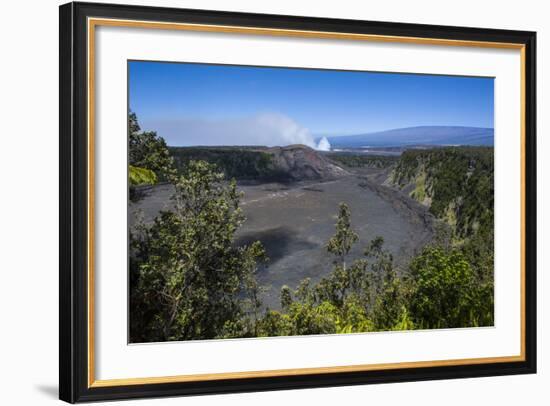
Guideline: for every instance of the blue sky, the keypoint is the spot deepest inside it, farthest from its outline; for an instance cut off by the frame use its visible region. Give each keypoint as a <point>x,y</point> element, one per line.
<point>201,104</point>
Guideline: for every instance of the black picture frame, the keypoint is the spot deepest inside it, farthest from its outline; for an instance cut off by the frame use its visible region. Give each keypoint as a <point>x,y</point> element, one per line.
<point>73,256</point>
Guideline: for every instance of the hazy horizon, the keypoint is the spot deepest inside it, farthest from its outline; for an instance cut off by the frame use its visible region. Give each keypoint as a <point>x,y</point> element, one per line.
<point>318,138</point>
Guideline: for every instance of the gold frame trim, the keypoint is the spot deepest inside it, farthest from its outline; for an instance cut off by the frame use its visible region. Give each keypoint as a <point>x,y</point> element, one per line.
<point>94,22</point>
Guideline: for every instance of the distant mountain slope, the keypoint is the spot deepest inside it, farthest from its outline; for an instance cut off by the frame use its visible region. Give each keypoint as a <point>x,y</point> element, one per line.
<point>427,135</point>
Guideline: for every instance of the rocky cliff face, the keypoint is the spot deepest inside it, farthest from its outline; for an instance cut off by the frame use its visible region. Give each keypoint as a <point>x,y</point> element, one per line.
<point>303,163</point>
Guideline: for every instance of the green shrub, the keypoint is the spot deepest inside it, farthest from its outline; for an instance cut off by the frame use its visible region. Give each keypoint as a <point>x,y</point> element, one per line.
<point>141,176</point>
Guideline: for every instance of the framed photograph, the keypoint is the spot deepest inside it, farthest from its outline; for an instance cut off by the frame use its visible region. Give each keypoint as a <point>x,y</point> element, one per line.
<point>256,202</point>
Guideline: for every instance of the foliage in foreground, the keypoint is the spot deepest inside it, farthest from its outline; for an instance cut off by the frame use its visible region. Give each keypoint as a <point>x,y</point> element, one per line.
<point>141,176</point>
<point>188,280</point>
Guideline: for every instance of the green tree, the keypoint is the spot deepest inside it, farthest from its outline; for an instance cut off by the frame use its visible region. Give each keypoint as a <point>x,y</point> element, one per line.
<point>149,151</point>
<point>189,280</point>
<point>312,318</point>
<point>286,297</point>
<point>274,323</point>
<point>141,176</point>
<point>344,279</point>
<point>444,292</point>
<point>344,238</point>
<point>479,253</point>
<point>390,310</point>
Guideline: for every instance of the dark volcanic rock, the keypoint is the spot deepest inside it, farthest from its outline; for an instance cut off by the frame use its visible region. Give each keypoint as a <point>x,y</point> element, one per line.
<point>304,163</point>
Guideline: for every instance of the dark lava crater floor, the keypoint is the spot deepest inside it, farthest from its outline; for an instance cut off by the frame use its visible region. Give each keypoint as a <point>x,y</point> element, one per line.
<point>295,221</point>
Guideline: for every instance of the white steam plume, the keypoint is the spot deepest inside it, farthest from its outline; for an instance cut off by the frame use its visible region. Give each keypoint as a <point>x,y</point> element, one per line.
<point>323,144</point>
<point>269,129</point>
